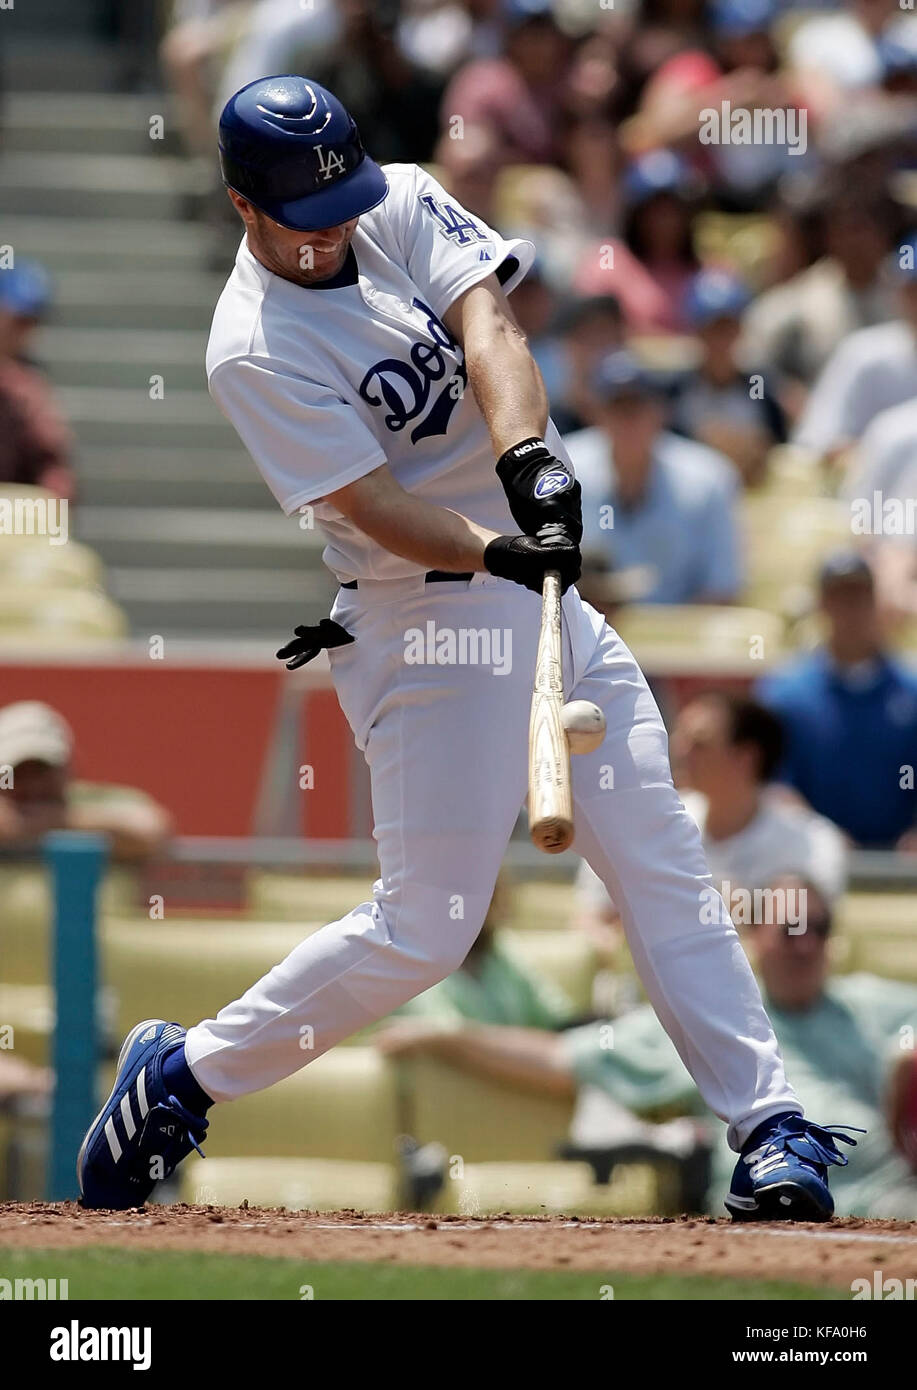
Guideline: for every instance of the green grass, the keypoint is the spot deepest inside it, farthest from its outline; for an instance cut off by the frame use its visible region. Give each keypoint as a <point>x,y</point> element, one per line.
<point>102,1273</point>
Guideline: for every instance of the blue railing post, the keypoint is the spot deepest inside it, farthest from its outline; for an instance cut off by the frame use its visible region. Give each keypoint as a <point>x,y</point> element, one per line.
<point>76,862</point>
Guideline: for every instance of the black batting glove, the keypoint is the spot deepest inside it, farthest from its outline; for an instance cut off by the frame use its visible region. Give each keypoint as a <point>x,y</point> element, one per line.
<point>540,489</point>
<point>307,642</point>
<point>526,559</point>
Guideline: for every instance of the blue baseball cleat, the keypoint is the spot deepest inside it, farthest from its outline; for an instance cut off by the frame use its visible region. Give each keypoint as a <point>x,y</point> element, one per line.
<point>782,1172</point>
<point>142,1132</point>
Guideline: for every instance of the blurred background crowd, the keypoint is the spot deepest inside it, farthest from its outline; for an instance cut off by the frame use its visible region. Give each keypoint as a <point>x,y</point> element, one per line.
<point>723,197</point>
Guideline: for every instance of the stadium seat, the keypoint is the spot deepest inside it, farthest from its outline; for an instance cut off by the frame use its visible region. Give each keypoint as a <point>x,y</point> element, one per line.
<point>564,957</point>
<point>52,617</point>
<point>486,1189</point>
<point>344,1105</point>
<point>468,1114</point>
<point>708,640</point>
<point>786,538</point>
<point>300,1184</point>
<point>31,560</point>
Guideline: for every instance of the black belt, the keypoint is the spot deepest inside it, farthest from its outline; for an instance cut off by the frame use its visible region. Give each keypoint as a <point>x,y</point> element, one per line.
<point>431,577</point>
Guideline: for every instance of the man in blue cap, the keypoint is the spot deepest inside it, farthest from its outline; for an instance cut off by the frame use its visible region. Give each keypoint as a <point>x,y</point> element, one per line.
<point>724,402</point>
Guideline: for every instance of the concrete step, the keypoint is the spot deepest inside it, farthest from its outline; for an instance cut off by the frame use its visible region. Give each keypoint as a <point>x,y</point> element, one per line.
<point>125,358</point>
<point>109,244</point>
<point>57,17</point>
<point>97,185</point>
<point>198,603</point>
<point>120,299</point>
<point>88,123</point>
<point>182,419</point>
<point>189,538</point>
<point>36,55</point>
<point>138,477</point>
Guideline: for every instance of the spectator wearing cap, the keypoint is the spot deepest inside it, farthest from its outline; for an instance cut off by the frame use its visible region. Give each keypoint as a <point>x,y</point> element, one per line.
<point>505,110</point>
<point>38,793</point>
<point>35,443</point>
<point>849,716</point>
<point>745,172</point>
<point>882,493</point>
<point>871,371</point>
<point>796,325</point>
<point>587,330</point>
<point>723,403</point>
<point>654,503</point>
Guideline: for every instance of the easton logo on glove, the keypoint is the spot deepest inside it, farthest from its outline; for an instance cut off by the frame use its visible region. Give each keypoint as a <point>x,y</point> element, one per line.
<point>551,483</point>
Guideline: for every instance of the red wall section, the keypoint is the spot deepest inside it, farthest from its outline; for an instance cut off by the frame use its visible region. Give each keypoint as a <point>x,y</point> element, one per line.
<point>194,737</point>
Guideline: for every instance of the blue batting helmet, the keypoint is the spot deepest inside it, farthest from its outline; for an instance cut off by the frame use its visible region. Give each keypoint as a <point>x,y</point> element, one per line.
<point>289,147</point>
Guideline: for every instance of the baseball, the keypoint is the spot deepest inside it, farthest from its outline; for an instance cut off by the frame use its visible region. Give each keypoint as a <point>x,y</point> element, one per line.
<point>584,723</point>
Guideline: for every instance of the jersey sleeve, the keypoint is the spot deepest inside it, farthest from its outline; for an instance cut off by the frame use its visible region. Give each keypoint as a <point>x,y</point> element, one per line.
<point>306,440</point>
<point>447,250</point>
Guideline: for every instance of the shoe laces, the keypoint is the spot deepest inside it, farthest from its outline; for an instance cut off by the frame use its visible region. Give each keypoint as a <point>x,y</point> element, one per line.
<point>195,1126</point>
<point>811,1142</point>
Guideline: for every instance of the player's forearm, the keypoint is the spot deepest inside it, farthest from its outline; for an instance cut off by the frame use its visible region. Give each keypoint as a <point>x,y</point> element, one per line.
<point>504,376</point>
<point>505,379</point>
<point>435,537</point>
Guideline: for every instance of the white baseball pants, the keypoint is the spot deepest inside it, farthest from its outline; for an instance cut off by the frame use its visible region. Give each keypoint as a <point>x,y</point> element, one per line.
<point>447,748</point>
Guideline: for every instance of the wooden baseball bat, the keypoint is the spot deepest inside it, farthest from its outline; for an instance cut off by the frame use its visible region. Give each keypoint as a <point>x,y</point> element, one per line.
<point>550,792</point>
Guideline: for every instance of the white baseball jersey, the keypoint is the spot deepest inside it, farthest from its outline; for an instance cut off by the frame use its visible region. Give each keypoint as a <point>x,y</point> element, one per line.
<point>871,370</point>
<point>325,385</point>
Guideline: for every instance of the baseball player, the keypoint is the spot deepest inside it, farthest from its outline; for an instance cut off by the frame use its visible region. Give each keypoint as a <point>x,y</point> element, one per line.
<point>365,350</point>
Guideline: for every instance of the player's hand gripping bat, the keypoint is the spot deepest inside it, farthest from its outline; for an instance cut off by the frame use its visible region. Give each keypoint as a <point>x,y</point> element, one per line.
<point>550,792</point>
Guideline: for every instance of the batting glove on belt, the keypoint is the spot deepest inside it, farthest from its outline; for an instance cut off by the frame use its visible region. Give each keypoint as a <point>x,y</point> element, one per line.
<point>526,559</point>
<point>540,489</point>
<point>307,642</point>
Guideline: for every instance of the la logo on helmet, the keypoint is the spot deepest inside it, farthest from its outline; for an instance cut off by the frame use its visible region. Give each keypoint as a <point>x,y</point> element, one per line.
<point>329,166</point>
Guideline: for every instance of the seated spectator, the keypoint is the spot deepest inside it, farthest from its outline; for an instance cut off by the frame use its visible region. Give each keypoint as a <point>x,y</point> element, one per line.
<point>277,37</point>
<point>650,268</point>
<point>586,330</point>
<point>837,1037</point>
<point>726,750</point>
<point>391,97</point>
<point>652,501</point>
<point>494,984</point>
<point>882,491</point>
<point>724,403</point>
<point>35,443</point>
<point>849,716</point>
<point>505,110</point>
<point>796,325</point>
<point>38,793</point>
<point>871,371</point>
